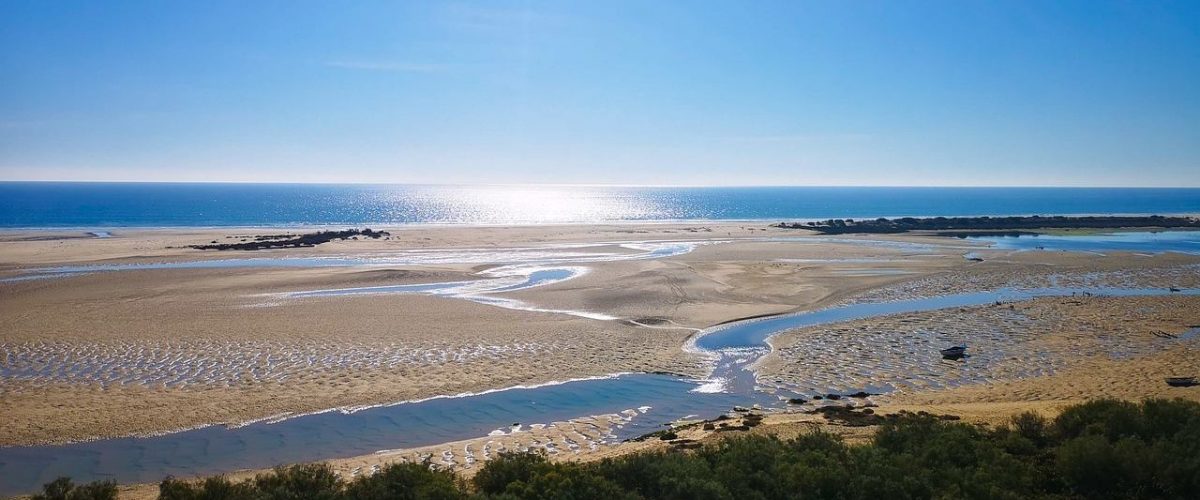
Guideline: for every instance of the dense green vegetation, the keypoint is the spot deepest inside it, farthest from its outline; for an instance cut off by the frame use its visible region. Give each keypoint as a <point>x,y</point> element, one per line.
<point>293,241</point>
<point>1101,449</point>
<point>63,489</point>
<point>1007,225</point>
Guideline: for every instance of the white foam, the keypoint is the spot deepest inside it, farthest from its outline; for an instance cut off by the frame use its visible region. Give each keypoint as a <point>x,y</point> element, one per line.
<point>711,386</point>
<point>510,278</point>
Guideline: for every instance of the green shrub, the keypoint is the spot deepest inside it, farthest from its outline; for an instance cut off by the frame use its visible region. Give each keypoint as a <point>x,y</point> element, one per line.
<point>63,489</point>
<point>1111,418</point>
<point>406,481</point>
<point>1031,426</point>
<point>306,481</point>
<point>565,482</point>
<point>1115,449</point>
<point>1164,418</point>
<point>211,488</point>
<point>508,468</point>
<point>663,475</point>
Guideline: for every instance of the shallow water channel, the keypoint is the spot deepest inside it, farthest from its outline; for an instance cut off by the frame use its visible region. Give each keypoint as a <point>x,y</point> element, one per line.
<point>334,434</point>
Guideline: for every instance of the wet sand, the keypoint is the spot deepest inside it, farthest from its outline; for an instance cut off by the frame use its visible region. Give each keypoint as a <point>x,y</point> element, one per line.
<point>109,354</point>
<point>1104,347</point>
<point>140,352</point>
<point>1023,344</point>
<point>1031,269</point>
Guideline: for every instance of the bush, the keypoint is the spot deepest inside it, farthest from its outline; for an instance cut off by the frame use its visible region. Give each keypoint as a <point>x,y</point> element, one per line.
<point>63,489</point>
<point>307,481</point>
<point>508,468</point>
<point>1094,467</point>
<point>406,481</point>
<point>212,488</point>
<point>565,482</point>
<point>1031,426</point>
<point>1111,418</point>
<point>1116,449</point>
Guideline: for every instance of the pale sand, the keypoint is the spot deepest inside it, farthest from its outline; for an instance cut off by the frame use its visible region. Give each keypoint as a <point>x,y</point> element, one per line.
<point>206,362</point>
<point>210,352</point>
<point>380,349</point>
<point>1084,330</point>
<point>1006,269</point>
<point>718,283</point>
<point>23,248</point>
<point>1045,350</point>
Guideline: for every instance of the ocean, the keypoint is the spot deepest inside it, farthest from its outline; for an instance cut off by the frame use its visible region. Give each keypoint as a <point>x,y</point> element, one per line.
<point>110,205</point>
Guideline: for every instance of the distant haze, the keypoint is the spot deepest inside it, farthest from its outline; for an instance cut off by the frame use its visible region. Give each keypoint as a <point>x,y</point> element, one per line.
<point>933,93</point>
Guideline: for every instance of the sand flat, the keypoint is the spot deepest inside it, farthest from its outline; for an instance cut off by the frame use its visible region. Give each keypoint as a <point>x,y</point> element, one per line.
<point>1045,349</point>
<point>138,352</point>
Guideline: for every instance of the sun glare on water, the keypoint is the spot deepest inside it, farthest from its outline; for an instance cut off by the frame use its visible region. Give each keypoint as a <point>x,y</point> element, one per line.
<point>527,204</point>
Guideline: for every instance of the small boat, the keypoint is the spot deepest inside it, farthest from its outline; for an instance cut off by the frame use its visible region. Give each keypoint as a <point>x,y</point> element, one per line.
<point>955,352</point>
<point>1181,381</point>
<point>1174,290</point>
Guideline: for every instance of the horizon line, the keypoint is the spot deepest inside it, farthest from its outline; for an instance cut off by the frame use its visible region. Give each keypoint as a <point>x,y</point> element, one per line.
<point>595,185</point>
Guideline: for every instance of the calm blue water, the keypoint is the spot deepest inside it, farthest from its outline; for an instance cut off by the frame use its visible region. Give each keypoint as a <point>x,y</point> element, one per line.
<point>752,333</point>
<point>41,204</point>
<point>1137,241</point>
<point>213,450</point>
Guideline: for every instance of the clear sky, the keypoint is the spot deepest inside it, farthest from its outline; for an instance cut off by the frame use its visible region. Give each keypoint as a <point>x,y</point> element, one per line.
<point>605,92</point>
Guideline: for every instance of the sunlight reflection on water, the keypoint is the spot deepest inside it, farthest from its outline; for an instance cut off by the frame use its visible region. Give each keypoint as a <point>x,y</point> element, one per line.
<point>111,205</point>
<point>519,204</point>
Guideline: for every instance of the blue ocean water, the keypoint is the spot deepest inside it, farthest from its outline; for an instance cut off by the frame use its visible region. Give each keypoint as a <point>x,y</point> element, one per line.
<point>1140,241</point>
<point>66,204</point>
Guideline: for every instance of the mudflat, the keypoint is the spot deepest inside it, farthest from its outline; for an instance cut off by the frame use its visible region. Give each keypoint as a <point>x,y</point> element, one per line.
<point>117,351</point>
<point>138,334</point>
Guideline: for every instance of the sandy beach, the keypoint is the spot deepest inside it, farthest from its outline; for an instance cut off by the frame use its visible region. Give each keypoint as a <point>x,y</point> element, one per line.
<point>1127,361</point>
<point>118,351</point>
<point>134,352</point>
<point>1046,349</point>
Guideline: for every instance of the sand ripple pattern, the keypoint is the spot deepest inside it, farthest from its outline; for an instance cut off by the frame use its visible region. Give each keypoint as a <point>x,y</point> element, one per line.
<point>228,363</point>
<point>1005,341</point>
<point>1187,276</point>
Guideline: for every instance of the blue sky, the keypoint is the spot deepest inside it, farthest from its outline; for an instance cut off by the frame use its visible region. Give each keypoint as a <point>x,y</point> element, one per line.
<point>646,92</point>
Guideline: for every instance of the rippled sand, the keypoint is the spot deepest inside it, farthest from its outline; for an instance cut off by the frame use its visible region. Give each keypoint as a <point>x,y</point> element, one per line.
<point>146,351</point>
<point>1024,344</point>
<point>140,352</point>
<point>1004,269</point>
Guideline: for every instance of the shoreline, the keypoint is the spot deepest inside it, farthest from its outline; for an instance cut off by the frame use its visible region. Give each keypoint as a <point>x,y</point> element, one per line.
<point>689,346</point>
<point>346,410</point>
<point>109,312</point>
<point>443,349</point>
<point>615,222</point>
